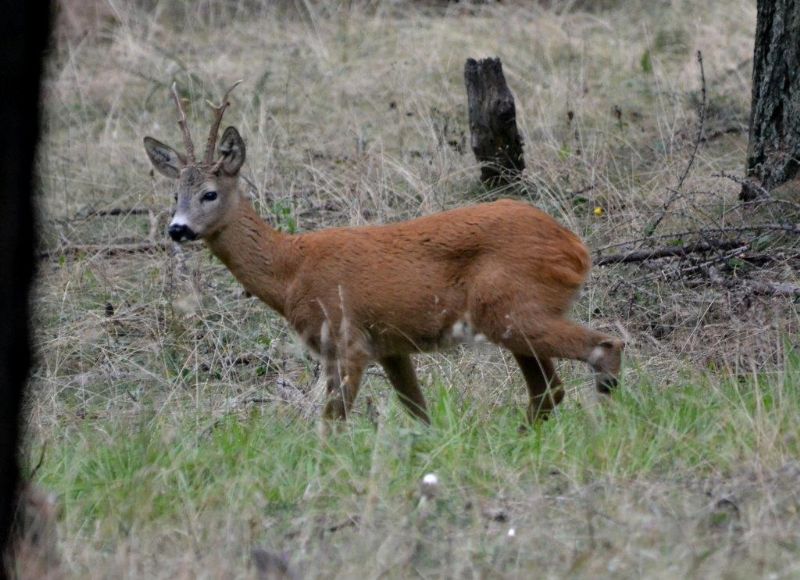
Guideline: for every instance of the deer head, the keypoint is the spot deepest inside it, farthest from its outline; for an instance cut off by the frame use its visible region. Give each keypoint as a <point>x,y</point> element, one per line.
<point>208,189</point>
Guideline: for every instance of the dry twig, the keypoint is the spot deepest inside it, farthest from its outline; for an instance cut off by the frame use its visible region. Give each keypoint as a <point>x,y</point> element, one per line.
<point>676,192</point>
<point>104,250</point>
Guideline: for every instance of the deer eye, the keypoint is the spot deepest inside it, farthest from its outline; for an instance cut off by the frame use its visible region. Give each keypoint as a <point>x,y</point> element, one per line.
<point>209,196</point>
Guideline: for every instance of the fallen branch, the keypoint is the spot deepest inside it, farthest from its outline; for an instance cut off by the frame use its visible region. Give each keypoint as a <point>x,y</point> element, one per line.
<point>787,228</point>
<point>582,190</point>
<point>737,252</point>
<point>775,288</point>
<point>701,123</point>
<point>114,211</point>
<point>105,250</point>
<point>731,130</point>
<point>350,522</point>
<point>668,252</point>
<point>755,286</point>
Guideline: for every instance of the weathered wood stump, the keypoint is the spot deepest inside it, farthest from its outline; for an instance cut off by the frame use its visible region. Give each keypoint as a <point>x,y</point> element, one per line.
<point>495,138</point>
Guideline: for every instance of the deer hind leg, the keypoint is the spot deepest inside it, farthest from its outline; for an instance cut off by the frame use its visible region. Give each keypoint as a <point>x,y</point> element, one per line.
<point>404,380</point>
<point>544,386</point>
<point>560,338</point>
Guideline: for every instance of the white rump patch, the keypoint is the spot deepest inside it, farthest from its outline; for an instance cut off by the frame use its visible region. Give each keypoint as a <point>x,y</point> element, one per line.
<point>463,333</point>
<point>460,330</point>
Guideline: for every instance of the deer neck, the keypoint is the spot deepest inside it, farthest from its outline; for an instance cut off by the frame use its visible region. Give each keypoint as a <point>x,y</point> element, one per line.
<point>261,258</point>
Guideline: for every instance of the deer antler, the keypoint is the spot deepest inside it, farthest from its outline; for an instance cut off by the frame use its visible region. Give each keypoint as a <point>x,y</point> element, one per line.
<point>208,158</point>
<point>187,137</point>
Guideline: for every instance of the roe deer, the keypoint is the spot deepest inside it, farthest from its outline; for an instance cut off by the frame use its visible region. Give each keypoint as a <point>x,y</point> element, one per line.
<point>504,272</point>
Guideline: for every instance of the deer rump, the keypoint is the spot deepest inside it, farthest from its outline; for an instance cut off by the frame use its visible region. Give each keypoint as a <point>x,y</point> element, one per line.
<point>463,275</point>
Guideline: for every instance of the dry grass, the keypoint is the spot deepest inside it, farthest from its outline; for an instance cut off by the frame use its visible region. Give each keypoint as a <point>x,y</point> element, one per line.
<point>178,412</point>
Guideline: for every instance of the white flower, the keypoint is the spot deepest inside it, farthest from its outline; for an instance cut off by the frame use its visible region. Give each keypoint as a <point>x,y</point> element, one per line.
<point>428,486</point>
<point>512,532</point>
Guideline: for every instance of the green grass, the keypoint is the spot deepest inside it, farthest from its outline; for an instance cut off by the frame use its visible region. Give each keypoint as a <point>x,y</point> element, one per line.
<point>123,479</point>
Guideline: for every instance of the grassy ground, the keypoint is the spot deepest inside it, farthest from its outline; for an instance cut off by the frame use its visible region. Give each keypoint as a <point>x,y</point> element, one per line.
<point>177,415</point>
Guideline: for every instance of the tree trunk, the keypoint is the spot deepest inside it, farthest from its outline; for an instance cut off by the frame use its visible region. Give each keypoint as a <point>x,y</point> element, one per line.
<point>495,139</point>
<point>23,34</point>
<point>773,153</point>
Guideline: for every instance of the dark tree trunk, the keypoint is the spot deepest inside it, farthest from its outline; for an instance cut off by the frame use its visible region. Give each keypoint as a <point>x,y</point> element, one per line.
<point>495,139</point>
<point>23,33</point>
<point>773,153</point>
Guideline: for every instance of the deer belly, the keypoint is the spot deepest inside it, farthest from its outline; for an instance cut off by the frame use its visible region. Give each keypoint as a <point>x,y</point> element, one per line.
<point>425,337</point>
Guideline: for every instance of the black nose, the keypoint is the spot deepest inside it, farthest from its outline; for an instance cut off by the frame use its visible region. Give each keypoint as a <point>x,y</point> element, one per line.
<point>181,232</point>
<point>606,385</point>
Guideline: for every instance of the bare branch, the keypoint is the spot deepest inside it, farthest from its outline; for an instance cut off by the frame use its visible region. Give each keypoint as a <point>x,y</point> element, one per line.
<point>676,192</point>
<point>789,229</point>
<point>775,288</point>
<point>762,287</point>
<point>104,250</point>
<point>751,187</point>
<point>114,211</point>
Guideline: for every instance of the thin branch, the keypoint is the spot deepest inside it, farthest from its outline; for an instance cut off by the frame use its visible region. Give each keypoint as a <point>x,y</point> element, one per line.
<point>114,211</point>
<point>731,130</point>
<point>105,250</point>
<point>676,192</point>
<point>736,253</point>
<point>775,288</point>
<point>789,229</point>
<point>761,287</point>
<point>745,183</point>
<point>702,122</point>
<point>582,190</point>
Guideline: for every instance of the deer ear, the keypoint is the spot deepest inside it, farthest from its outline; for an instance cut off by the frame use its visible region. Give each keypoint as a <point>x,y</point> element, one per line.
<point>164,158</point>
<point>231,150</point>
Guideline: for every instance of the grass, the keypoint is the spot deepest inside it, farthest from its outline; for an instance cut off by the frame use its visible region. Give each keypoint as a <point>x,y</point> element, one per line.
<point>178,416</point>
<point>269,479</point>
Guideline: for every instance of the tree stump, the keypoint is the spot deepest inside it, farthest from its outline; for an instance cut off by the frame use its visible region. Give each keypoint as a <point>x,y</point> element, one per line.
<point>494,138</point>
<point>773,151</point>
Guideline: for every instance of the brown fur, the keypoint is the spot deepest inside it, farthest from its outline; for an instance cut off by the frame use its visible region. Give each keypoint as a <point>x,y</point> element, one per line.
<point>381,293</point>
<point>503,271</point>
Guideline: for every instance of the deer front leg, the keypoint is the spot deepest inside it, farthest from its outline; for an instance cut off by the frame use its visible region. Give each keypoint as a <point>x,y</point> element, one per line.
<point>342,381</point>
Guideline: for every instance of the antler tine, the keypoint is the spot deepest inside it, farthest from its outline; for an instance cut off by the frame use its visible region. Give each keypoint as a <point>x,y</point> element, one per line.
<point>187,137</point>
<point>218,112</point>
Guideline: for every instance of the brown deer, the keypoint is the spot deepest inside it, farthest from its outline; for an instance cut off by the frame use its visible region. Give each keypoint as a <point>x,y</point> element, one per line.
<point>503,272</point>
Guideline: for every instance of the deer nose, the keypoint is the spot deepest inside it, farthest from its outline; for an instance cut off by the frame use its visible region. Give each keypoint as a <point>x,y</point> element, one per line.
<point>181,232</point>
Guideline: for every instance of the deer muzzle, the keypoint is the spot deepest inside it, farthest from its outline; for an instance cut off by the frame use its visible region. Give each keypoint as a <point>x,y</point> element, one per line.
<point>181,233</point>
